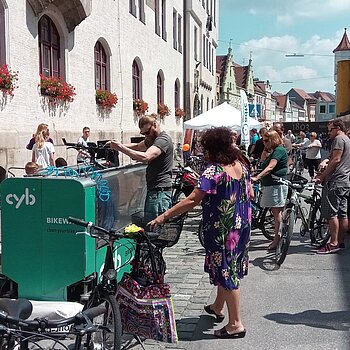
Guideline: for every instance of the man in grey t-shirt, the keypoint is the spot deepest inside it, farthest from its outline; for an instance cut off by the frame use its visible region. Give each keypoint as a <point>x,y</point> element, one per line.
<point>335,179</point>
<point>157,151</point>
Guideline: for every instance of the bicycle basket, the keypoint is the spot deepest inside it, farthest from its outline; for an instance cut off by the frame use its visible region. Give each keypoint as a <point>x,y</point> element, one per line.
<point>169,233</point>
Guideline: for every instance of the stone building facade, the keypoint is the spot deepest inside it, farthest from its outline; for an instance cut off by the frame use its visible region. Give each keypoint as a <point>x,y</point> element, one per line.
<point>136,49</point>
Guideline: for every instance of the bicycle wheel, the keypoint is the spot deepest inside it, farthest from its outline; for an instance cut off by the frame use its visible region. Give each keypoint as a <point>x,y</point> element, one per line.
<point>109,332</point>
<point>201,233</point>
<point>319,230</point>
<point>267,224</point>
<point>179,195</point>
<point>286,235</point>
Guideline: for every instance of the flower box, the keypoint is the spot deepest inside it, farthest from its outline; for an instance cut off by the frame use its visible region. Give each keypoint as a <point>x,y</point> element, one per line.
<point>140,106</point>
<point>180,113</point>
<point>8,80</point>
<point>106,99</point>
<point>56,89</point>
<point>163,110</point>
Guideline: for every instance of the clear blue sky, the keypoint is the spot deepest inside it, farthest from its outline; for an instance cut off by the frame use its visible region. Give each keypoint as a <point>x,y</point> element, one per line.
<point>272,28</point>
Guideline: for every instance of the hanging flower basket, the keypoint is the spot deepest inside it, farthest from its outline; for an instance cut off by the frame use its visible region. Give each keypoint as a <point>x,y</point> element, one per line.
<point>106,99</point>
<point>179,113</point>
<point>8,80</point>
<point>56,89</point>
<point>163,110</point>
<point>140,107</point>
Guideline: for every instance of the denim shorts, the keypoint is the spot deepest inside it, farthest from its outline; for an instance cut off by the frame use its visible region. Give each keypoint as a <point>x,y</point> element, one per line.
<point>274,196</point>
<point>157,202</point>
<point>334,200</point>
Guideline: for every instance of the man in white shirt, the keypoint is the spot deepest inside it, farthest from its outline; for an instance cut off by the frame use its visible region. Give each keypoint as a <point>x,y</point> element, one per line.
<point>83,154</point>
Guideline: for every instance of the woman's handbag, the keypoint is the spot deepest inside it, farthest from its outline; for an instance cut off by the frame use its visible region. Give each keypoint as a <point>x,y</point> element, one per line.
<point>146,308</point>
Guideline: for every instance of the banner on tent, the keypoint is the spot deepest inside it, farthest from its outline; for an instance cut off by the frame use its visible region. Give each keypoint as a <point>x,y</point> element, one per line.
<point>245,120</point>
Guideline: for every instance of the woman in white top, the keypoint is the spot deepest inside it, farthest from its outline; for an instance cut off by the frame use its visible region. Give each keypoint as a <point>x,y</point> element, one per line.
<point>43,150</point>
<point>313,154</point>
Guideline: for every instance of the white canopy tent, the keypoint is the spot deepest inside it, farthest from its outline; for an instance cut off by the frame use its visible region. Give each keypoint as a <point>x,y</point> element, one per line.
<point>222,115</point>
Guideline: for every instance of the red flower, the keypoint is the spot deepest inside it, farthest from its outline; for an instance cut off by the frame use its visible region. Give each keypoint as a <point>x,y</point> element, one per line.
<point>180,113</point>
<point>56,89</point>
<point>163,110</point>
<point>106,99</point>
<point>8,80</point>
<point>140,106</point>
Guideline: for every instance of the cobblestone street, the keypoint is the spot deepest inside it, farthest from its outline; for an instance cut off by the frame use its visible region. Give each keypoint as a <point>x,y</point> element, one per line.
<point>189,285</point>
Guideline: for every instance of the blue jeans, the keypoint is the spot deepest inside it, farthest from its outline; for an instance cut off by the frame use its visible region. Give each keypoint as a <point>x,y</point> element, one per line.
<point>157,202</point>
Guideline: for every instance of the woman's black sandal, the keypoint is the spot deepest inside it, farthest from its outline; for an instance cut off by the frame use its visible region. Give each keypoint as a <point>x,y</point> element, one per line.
<point>219,318</point>
<point>222,333</point>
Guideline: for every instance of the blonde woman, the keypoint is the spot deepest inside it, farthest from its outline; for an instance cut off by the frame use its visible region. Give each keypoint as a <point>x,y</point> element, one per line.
<point>274,194</point>
<point>43,152</point>
<point>39,129</point>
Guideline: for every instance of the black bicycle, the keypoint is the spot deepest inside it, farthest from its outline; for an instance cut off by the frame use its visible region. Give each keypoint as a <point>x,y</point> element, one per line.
<point>313,223</point>
<point>19,333</point>
<point>103,293</point>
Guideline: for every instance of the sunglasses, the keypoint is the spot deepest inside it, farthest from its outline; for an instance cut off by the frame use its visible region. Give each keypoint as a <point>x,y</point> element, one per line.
<point>148,132</point>
<point>329,130</point>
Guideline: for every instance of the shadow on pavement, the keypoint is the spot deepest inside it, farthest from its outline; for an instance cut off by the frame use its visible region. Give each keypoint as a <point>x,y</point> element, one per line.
<point>336,320</point>
<point>204,329</point>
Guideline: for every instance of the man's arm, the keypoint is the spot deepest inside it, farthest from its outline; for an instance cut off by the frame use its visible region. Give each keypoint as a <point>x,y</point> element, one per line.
<point>144,157</point>
<point>136,146</point>
<point>332,164</point>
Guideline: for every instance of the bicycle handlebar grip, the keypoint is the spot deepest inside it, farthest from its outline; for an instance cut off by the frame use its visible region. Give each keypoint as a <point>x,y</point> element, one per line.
<point>94,311</point>
<point>78,222</point>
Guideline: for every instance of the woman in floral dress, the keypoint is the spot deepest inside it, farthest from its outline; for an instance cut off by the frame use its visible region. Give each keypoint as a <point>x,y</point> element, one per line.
<point>224,190</point>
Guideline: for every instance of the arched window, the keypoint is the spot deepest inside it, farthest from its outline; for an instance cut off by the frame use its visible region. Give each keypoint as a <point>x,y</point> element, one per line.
<point>207,103</point>
<point>49,47</point>
<point>160,87</point>
<point>177,93</point>
<point>136,80</point>
<point>101,77</point>
<point>202,104</point>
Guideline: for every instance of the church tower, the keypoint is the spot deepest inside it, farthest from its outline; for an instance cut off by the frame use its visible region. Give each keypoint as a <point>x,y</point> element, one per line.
<point>342,75</point>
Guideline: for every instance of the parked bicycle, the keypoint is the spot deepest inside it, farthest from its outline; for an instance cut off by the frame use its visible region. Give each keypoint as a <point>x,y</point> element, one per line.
<point>184,183</point>
<point>262,218</point>
<point>19,333</point>
<point>297,165</point>
<point>313,223</point>
<point>108,335</point>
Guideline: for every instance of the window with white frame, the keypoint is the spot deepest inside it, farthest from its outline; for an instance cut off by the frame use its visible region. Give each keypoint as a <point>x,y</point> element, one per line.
<point>174,29</point>
<point>136,80</point>
<point>160,87</point>
<point>2,35</point>
<point>179,32</point>
<point>49,47</point>
<point>132,7</point>
<point>331,108</point>
<point>101,67</point>
<point>164,33</point>
<point>195,43</point>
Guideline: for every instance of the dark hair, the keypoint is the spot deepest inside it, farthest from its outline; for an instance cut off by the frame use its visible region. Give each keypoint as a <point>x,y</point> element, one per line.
<point>338,123</point>
<point>218,145</point>
<point>60,162</point>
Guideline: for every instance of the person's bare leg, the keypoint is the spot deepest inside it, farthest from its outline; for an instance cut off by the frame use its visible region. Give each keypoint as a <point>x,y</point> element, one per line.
<point>334,230</point>
<point>232,298</point>
<point>343,229</point>
<point>277,215</point>
<point>219,303</point>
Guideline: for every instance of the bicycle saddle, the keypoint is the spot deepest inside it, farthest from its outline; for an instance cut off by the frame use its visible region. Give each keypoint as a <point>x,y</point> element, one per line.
<point>18,308</point>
